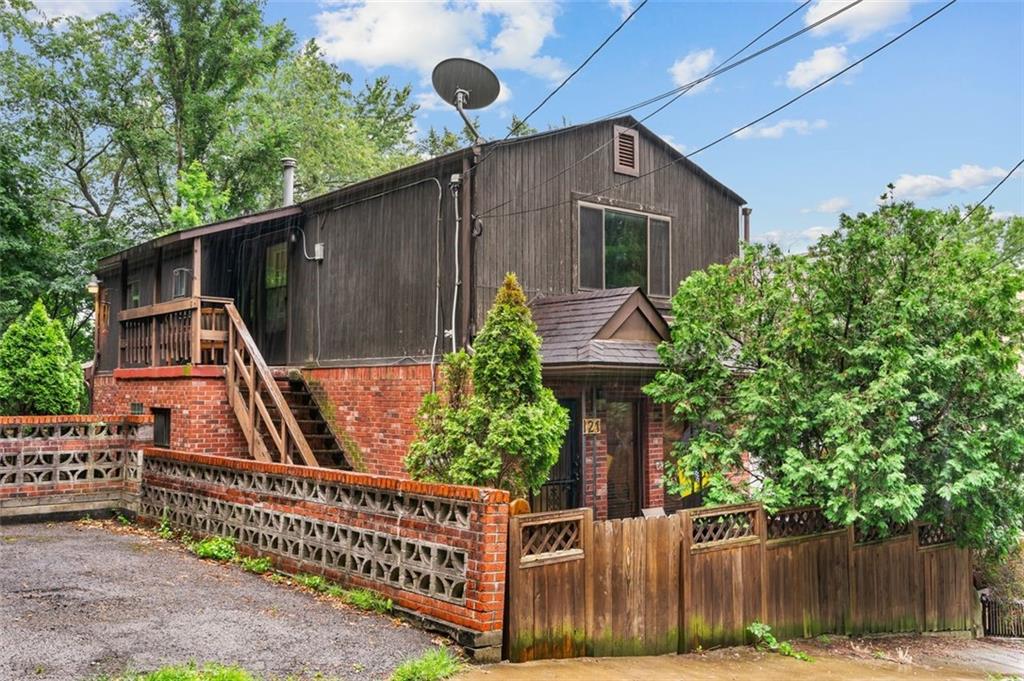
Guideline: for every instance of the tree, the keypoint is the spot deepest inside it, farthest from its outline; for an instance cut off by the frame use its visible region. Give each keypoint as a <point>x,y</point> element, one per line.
<point>876,377</point>
<point>519,128</point>
<point>200,202</point>
<point>493,422</point>
<point>38,374</point>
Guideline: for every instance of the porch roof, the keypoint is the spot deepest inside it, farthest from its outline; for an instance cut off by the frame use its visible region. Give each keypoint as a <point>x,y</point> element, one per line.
<point>600,329</point>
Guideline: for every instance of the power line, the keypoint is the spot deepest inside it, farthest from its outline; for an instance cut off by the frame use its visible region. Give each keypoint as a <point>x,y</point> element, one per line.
<point>683,89</point>
<point>577,70</point>
<point>741,128</point>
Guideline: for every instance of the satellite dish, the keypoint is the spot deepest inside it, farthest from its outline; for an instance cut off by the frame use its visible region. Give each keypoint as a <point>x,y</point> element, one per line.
<point>466,84</point>
<point>466,80</point>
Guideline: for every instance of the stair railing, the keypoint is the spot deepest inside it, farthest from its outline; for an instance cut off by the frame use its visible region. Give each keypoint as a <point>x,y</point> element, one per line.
<point>245,366</point>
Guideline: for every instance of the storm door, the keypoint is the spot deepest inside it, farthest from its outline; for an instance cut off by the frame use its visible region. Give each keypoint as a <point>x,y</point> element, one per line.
<point>623,441</point>
<point>562,490</point>
<point>273,327</point>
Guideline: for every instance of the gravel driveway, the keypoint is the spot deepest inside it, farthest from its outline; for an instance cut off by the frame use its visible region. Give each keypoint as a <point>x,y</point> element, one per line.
<point>77,602</point>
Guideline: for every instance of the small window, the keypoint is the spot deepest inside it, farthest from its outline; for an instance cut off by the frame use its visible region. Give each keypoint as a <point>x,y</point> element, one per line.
<point>627,151</point>
<point>136,408</point>
<point>161,427</point>
<point>180,282</point>
<point>624,248</point>
<point>133,294</point>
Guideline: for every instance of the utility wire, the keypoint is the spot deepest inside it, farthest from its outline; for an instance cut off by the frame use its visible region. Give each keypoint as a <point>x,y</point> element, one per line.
<point>683,89</point>
<point>579,68</point>
<point>739,129</point>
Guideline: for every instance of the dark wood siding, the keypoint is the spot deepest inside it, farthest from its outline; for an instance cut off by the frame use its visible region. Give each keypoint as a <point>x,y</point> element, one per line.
<point>110,288</point>
<point>541,246</point>
<point>375,295</point>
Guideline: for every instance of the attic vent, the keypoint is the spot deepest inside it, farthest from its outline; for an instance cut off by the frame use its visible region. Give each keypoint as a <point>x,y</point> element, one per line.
<point>626,144</point>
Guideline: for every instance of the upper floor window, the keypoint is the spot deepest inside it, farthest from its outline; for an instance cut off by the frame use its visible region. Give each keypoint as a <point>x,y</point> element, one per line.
<point>133,294</point>
<point>180,278</point>
<point>623,248</point>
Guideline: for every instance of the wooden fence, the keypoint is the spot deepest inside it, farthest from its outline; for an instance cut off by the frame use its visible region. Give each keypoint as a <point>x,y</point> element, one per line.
<point>647,586</point>
<point>1002,617</point>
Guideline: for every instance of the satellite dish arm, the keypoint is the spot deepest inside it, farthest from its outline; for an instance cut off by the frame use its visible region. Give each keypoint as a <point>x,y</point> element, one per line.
<point>461,98</point>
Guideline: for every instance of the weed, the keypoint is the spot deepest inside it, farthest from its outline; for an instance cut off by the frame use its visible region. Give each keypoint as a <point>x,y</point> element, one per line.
<point>824,639</point>
<point>165,531</point>
<point>433,665</point>
<point>190,672</point>
<point>311,582</point>
<point>215,548</point>
<point>124,520</point>
<point>256,566</point>
<point>364,599</point>
<point>764,639</point>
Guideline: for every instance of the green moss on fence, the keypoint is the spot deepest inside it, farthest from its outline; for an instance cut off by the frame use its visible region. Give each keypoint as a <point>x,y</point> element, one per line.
<point>556,644</point>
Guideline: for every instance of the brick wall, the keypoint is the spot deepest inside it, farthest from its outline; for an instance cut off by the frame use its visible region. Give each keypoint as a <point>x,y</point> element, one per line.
<point>202,421</point>
<point>68,464</point>
<point>438,550</point>
<point>376,406</point>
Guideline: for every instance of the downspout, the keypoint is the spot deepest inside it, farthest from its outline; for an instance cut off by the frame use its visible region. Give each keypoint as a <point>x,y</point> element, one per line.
<point>466,248</point>
<point>746,223</point>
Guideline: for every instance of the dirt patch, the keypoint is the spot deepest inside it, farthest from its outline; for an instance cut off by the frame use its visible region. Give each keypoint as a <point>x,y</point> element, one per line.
<point>81,600</point>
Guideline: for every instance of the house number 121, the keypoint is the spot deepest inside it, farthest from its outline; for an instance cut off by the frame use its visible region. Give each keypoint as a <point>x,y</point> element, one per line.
<point>591,426</point>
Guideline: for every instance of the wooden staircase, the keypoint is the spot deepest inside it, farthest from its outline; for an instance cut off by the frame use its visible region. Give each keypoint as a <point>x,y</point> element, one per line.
<point>280,419</point>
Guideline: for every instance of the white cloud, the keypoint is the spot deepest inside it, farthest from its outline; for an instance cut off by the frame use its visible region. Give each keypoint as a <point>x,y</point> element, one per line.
<point>964,178</point>
<point>822,64</point>
<point>815,233</point>
<point>625,7</point>
<point>692,67</point>
<point>1004,214</point>
<point>859,21</point>
<point>772,236</point>
<point>836,204</point>
<point>681,148</point>
<point>800,126</point>
<point>85,9</point>
<point>417,35</point>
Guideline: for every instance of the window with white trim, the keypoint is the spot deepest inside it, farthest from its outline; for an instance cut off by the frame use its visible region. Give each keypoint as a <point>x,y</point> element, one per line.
<point>621,248</point>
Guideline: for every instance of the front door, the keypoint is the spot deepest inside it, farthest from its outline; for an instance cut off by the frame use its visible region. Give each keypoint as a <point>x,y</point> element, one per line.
<point>562,490</point>
<point>273,329</point>
<point>623,459</point>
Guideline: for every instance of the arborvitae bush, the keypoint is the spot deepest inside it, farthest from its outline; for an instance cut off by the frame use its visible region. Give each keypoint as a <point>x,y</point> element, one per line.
<point>492,422</point>
<point>38,373</point>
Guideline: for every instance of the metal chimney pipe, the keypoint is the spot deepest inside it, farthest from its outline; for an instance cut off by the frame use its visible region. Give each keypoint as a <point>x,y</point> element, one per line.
<point>288,181</point>
<point>746,224</point>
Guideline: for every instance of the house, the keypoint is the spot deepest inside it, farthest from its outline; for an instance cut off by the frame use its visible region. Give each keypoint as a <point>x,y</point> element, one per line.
<point>310,332</point>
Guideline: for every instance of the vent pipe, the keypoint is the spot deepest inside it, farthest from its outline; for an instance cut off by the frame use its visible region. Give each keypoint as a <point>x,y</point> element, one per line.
<point>288,181</point>
<point>746,224</point>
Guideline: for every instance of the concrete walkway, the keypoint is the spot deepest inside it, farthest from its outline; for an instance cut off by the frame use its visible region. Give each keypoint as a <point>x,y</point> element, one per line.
<point>80,602</point>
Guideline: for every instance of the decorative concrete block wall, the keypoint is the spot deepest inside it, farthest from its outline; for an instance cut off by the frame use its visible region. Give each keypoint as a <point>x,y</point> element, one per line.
<point>436,550</point>
<point>68,464</point>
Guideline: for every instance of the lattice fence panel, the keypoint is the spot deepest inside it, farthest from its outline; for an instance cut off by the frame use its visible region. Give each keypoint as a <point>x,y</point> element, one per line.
<point>448,512</point>
<point>934,535</point>
<point>872,534</point>
<point>552,537</point>
<point>799,522</point>
<point>723,526</point>
<point>425,568</point>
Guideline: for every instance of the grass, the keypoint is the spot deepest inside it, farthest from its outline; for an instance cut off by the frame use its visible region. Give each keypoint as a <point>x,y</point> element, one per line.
<point>188,672</point>
<point>433,665</point>
<point>364,599</point>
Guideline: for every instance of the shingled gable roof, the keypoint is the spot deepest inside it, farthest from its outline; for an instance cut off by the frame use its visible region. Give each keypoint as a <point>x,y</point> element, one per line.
<point>614,327</point>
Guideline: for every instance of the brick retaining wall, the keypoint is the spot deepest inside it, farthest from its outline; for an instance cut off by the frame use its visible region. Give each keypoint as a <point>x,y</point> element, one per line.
<point>437,550</point>
<point>68,464</point>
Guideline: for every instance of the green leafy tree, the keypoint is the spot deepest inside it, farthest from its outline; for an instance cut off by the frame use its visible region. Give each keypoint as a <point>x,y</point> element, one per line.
<point>200,201</point>
<point>493,423</point>
<point>877,376</point>
<point>38,374</point>
<point>518,128</point>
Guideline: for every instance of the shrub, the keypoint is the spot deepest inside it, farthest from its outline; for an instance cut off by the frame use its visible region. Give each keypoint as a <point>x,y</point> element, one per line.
<point>493,423</point>
<point>433,665</point>
<point>764,639</point>
<point>38,374</point>
<point>215,548</point>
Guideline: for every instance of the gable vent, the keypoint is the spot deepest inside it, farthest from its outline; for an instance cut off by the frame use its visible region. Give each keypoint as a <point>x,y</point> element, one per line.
<point>627,143</point>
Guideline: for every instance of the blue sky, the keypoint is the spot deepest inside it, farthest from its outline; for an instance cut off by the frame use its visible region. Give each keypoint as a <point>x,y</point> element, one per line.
<point>940,113</point>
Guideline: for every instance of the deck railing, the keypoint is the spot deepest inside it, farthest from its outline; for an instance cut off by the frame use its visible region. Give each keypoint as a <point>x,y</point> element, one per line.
<point>182,331</point>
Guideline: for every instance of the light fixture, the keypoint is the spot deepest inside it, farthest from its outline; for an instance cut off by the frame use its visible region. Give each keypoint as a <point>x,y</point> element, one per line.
<point>93,285</point>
